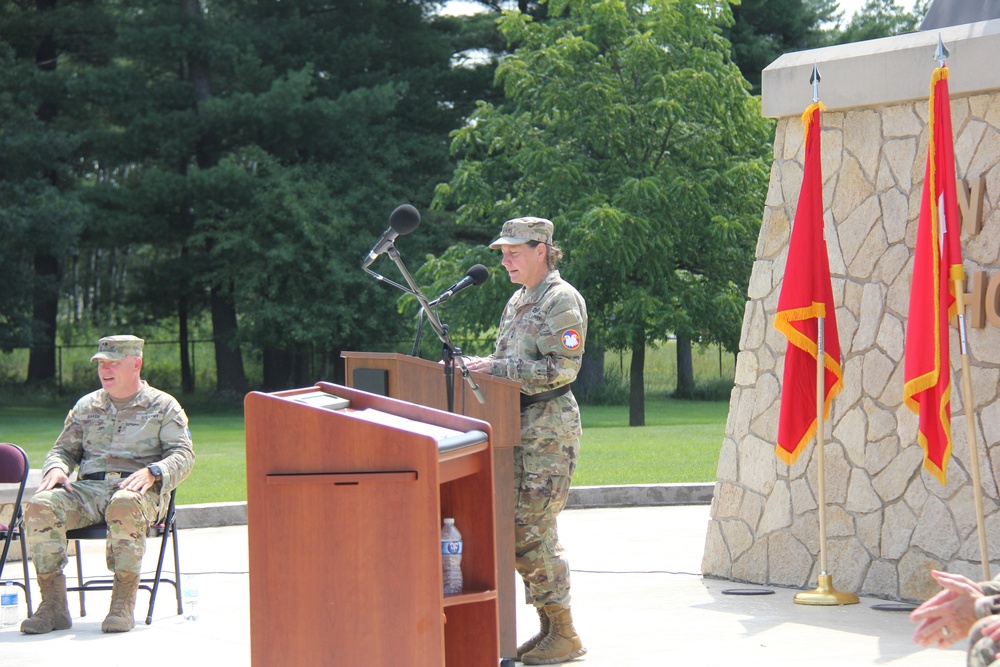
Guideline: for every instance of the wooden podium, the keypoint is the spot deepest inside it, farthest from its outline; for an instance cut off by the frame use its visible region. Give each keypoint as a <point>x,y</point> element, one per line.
<point>420,381</point>
<point>344,513</point>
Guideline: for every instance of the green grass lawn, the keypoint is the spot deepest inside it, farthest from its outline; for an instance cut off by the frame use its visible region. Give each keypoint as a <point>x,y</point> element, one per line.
<point>680,443</point>
<point>220,471</point>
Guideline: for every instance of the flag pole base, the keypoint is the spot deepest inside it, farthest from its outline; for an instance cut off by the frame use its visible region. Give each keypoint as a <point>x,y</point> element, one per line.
<point>825,594</point>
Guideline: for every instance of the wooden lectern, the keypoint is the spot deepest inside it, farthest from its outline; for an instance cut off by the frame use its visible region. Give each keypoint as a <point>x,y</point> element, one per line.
<point>420,381</point>
<point>344,514</point>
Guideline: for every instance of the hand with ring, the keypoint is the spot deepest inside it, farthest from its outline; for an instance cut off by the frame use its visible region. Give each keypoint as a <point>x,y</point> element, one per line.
<point>947,618</point>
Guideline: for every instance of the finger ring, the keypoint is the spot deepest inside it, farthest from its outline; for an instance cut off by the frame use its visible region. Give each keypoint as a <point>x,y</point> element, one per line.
<point>945,632</point>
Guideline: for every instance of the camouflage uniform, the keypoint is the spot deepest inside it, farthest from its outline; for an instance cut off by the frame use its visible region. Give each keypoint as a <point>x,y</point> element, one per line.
<point>152,428</point>
<point>982,649</point>
<point>540,343</point>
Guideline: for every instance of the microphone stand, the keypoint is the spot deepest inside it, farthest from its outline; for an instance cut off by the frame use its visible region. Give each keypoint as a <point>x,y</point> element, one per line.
<point>415,351</point>
<point>450,354</point>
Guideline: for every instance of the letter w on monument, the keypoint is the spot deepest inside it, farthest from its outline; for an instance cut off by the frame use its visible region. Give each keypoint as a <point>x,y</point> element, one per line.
<point>937,264</point>
<point>806,299</point>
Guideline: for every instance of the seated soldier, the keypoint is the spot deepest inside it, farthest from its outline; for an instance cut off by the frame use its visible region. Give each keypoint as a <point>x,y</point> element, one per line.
<point>132,446</point>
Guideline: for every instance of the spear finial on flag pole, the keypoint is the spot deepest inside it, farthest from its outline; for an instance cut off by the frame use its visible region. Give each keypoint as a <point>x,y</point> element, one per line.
<point>942,53</point>
<point>814,80</point>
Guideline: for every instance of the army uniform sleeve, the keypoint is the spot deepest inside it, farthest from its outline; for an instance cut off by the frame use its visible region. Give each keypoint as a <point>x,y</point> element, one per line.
<point>68,448</point>
<point>560,344</point>
<point>498,362</point>
<point>491,359</point>
<point>987,606</point>
<point>178,449</point>
<point>991,587</point>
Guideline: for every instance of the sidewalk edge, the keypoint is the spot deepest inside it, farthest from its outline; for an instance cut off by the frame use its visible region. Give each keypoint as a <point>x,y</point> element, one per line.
<point>209,515</point>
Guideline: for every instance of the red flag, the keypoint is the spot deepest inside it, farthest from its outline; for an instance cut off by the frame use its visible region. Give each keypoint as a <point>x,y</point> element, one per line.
<point>937,263</point>
<point>806,295</point>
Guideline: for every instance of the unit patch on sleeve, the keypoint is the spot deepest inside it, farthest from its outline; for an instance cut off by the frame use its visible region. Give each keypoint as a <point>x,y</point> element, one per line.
<point>571,339</point>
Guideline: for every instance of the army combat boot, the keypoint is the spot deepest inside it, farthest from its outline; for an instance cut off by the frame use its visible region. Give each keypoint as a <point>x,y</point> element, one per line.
<point>53,612</point>
<point>539,636</point>
<point>562,644</point>
<point>121,617</point>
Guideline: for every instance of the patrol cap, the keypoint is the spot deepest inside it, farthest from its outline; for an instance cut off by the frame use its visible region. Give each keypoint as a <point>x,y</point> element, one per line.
<point>522,230</point>
<point>116,348</point>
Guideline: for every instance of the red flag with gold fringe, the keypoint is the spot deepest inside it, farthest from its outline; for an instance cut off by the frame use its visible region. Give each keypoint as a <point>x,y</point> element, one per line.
<point>937,263</point>
<point>806,295</point>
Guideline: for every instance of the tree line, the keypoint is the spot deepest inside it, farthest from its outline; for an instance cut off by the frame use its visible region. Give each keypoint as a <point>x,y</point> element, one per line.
<point>220,167</point>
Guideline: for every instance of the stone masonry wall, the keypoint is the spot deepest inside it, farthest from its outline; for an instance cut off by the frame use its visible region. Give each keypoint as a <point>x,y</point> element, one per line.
<point>888,521</point>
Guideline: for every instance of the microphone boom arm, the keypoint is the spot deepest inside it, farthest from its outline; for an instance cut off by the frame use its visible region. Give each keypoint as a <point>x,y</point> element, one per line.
<point>382,279</point>
<point>432,319</point>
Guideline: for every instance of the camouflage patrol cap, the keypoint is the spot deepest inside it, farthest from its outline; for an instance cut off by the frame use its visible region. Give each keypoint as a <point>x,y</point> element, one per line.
<point>115,348</point>
<point>522,230</point>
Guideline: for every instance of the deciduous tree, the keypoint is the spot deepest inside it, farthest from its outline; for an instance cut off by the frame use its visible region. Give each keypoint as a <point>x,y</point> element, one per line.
<point>762,30</point>
<point>629,126</point>
<point>880,18</point>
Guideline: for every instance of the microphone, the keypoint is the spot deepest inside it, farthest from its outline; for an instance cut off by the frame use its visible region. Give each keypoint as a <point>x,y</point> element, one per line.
<point>402,221</point>
<point>477,275</point>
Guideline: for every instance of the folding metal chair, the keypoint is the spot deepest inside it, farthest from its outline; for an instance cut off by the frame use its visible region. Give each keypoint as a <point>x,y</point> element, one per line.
<point>166,529</point>
<point>14,470</point>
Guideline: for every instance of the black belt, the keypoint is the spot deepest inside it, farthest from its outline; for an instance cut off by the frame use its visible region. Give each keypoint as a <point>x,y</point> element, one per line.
<point>527,400</point>
<point>104,475</point>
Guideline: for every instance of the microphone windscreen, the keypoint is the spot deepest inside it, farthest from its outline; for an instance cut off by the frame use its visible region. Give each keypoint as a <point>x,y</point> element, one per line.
<point>478,273</point>
<point>404,219</point>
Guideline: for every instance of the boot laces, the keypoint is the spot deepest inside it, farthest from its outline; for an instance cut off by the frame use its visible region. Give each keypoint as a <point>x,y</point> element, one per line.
<point>121,600</point>
<point>118,607</point>
<point>551,638</point>
<point>48,607</point>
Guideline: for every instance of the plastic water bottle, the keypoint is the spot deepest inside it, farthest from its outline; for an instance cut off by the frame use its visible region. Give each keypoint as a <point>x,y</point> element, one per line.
<point>8,605</point>
<point>190,595</point>
<point>451,557</point>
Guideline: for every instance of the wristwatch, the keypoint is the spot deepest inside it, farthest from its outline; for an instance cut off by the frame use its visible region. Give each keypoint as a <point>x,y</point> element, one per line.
<point>157,472</point>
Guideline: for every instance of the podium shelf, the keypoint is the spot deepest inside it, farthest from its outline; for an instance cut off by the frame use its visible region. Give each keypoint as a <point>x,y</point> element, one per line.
<point>469,598</point>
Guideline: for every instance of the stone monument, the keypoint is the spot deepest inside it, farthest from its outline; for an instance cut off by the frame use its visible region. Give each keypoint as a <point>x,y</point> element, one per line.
<point>888,521</point>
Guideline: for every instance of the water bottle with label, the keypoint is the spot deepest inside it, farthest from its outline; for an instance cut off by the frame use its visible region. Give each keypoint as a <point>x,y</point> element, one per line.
<point>451,557</point>
<point>8,605</point>
<point>190,595</point>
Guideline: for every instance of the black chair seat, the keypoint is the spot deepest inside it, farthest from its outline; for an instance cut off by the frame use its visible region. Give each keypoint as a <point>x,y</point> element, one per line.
<point>96,532</point>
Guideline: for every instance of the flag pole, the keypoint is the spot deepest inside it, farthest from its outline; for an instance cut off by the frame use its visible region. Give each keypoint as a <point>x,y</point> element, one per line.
<point>970,425</point>
<point>941,56</point>
<point>824,593</point>
<point>821,442</point>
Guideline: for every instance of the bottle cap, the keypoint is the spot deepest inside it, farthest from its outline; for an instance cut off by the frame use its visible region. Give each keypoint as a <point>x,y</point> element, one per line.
<point>449,520</point>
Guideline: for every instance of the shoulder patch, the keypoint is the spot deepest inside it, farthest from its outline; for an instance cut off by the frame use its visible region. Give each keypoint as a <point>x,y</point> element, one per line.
<point>571,339</point>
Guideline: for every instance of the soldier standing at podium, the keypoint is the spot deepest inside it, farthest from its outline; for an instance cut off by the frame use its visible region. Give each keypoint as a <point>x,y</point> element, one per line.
<point>540,343</point>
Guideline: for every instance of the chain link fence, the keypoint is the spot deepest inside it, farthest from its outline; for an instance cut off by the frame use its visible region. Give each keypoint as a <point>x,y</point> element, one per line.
<point>161,365</point>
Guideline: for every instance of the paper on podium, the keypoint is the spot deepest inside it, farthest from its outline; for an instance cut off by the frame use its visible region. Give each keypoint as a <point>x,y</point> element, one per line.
<point>411,425</point>
<point>448,439</point>
<point>321,399</point>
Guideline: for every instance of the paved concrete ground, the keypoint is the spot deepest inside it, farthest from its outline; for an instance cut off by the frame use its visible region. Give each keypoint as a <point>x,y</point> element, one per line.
<point>638,602</point>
